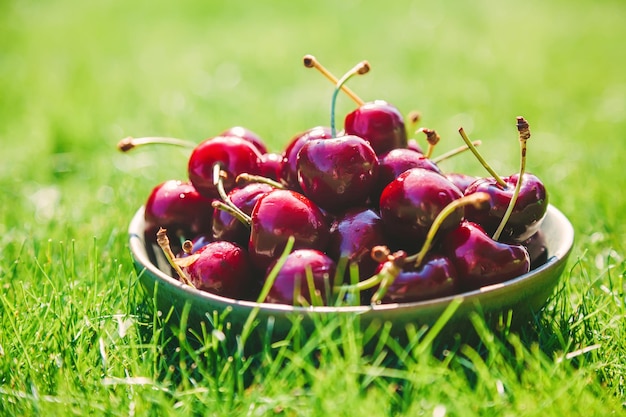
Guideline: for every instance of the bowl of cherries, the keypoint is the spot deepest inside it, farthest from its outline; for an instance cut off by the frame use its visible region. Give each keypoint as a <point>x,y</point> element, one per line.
<point>360,222</point>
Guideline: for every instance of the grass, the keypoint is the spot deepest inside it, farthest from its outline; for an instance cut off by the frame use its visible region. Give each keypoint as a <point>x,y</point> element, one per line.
<point>78,336</point>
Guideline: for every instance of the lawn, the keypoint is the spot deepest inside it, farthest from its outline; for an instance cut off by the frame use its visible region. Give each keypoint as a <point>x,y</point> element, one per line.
<point>79,337</point>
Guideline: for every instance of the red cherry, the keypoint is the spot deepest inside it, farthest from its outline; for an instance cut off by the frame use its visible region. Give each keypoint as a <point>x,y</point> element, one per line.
<point>353,235</point>
<point>337,173</point>
<point>395,162</point>
<point>222,268</point>
<point>228,227</point>
<point>461,180</point>
<point>289,170</point>
<point>271,166</point>
<point>178,207</point>
<point>480,260</point>
<point>435,277</point>
<point>411,202</point>
<point>234,156</point>
<point>380,123</point>
<point>292,278</point>
<point>278,215</point>
<point>528,211</point>
<point>247,134</point>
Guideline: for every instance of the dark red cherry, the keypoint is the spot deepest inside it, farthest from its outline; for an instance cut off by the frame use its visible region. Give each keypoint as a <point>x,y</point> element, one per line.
<point>410,203</point>
<point>178,207</point>
<point>292,279</point>
<point>380,123</point>
<point>480,260</point>
<point>337,173</point>
<point>228,227</point>
<point>278,215</point>
<point>289,170</point>
<point>461,180</point>
<point>223,268</point>
<point>353,235</point>
<point>395,162</point>
<point>528,212</point>
<point>537,248</point>
<point>234,156</point>
<point>271,166</point>
<point>247,134</point>
<point>435,277</point>
<point>414,146</point>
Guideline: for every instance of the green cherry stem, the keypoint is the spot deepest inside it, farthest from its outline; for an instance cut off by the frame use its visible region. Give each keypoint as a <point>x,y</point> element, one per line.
<point>478,156</point>
<point>475,199</point>
<point>311,62</point>
<point>524,134</point>
<point>129,143</point>
<point>226,204</point>
<point>454,152</point>
<point>362,67</point>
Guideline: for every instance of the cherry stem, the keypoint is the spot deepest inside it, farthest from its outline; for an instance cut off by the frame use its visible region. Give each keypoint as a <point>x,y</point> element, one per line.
<point>392,266</point>
<point>164,243</point>
<point>478,156</point>
<point>245,177</point>
<point>130,143</point>
<point>311,62</point>
<point>523,134</point>
<point>362,67</point>
<point>432,137</point>
<point>454,152</point>
<point>475,199</point>
<point>226,204</point>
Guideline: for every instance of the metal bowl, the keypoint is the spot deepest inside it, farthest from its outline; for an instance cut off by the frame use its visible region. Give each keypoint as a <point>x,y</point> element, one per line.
<point>517,298</point>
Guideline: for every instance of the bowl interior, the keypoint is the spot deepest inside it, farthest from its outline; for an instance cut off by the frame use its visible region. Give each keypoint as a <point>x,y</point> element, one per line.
<point>522,296</point>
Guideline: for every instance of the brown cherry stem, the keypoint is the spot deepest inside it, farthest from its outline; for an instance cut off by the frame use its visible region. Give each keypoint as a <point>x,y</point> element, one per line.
<point>311,62</point>
<point>475,199</point>
<point>432,137</point>
<point>245,177</point>
<point>454,152</point>
<point>523,134</point>
<point>482,161</point>
<point>129,143</point>
<point>164,243</point>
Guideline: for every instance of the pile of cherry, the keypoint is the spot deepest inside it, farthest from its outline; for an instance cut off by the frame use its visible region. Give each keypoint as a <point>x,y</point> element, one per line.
<point>357,216</point>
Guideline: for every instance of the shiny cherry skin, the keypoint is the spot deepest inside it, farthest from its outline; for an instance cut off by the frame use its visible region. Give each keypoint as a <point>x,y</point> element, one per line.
<point>528,212</point>
<point>223,268</point>
<point>247,134</point>
<point>337,173</point>
<point>292,278</point>
<point>234,155</point>
<point>435,277</point>
<point>380,123</point>
<point>537,248</point>
<point>276,216</point>
<point>353,234</point>
<point>271,166</point>
<point>225,226</point>
<point>395,162</point>
<point>289,170</point>
<point>480,260</point>
<point>461,180</point>
<point>410,203</point>
<point>178,207</point>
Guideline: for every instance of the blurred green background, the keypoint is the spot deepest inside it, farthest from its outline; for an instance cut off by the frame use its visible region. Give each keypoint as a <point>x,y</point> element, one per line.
<point>76,77</point>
